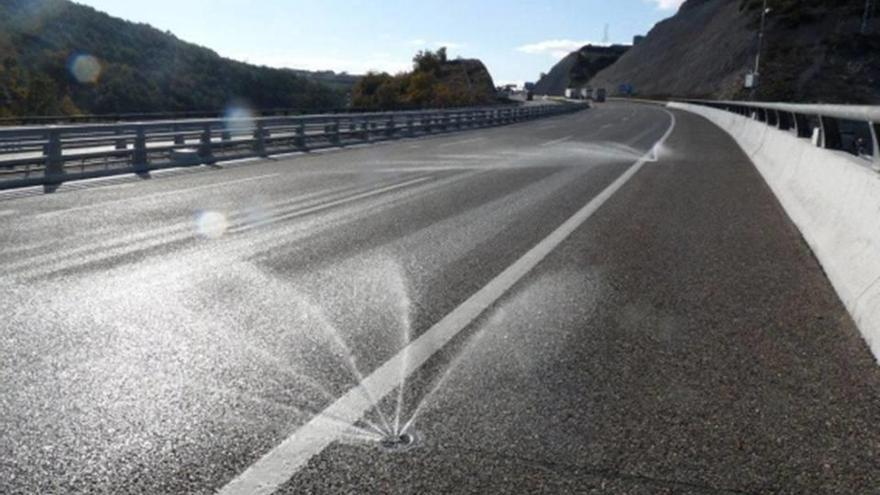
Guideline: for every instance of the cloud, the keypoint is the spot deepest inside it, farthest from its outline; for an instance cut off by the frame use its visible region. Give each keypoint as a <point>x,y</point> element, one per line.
<point>667,4</point>
<point>555,48</point>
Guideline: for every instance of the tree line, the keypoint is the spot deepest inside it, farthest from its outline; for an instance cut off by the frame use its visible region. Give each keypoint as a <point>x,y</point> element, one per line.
<point>136,68</point>
<point>434,82</point>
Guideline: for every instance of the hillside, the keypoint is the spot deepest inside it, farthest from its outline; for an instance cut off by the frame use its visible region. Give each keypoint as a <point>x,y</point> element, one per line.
<point>577,68</point>
<point>58,57</point>
<point>814,52</point>
<point>434,82</point>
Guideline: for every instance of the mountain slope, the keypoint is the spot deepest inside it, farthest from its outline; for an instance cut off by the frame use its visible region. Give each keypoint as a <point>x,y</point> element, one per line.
<point>58,57</point>
<point>577,68</point>
<point>813,52</point>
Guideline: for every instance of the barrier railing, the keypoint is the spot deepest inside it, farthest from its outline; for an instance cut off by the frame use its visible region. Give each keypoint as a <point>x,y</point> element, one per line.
<point>54,154</point>
<point>854,129</point>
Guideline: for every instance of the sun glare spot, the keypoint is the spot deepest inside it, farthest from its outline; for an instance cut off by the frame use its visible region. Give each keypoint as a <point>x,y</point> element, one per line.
<point>86,69</point>
<point>238,118</point>
<point>211,224</point>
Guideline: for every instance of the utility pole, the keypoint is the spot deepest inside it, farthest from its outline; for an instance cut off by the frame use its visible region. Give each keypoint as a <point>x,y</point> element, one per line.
<point>753,79</point>
<point>764,12</point>
<point>869,12</point>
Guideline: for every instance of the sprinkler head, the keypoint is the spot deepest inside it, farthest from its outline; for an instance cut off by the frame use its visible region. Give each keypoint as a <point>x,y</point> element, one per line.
<point>398,443</point>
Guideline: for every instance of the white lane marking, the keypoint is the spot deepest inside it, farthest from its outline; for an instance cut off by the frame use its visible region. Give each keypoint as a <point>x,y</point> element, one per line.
<point>6,213</point>
<point>460,142</point>
<point>278,465</point>
<point>132,199</point>
<point>557,141</point>
<point>605,126</point>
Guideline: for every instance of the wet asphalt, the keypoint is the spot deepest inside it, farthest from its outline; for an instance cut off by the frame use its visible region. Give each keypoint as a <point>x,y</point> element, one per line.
<point>160,335</point>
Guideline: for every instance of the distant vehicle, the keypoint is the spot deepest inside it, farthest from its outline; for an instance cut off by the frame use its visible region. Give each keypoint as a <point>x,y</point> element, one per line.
<point>586,93</point>
<point>600,95</point>
<point>571,93</point>
<point>530,95</point>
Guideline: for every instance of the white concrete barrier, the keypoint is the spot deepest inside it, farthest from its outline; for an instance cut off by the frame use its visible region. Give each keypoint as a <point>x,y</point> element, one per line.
<point>834,200</point>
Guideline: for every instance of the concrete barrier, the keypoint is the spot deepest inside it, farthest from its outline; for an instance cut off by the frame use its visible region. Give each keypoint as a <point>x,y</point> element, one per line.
<point>834,200</point>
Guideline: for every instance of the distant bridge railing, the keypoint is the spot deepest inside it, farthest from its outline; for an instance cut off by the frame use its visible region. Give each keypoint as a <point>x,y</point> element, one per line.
<point>35,155</point>
<point>854,129</point>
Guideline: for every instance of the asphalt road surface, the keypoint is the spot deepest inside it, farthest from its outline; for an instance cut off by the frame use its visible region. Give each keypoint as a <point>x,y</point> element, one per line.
<point>570,308</point>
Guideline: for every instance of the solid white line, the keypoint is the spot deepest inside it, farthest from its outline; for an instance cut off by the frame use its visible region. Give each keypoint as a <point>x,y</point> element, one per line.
<point>6,213</point>
<point>557,141</point>
<point>277,466</point>
<point>131,199</point>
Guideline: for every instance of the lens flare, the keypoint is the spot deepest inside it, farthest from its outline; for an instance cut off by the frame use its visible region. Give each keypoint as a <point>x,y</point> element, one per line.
<point>238,118</point>
<point>86,69</point>
<point>211,224</point>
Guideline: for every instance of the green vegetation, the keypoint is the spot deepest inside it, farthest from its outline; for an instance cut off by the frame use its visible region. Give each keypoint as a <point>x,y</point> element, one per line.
<point>434,82</point>
<point>139,68</point>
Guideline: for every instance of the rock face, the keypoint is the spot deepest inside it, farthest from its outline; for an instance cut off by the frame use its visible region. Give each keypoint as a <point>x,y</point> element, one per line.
<point>577,68</point>
<point>813,51</point>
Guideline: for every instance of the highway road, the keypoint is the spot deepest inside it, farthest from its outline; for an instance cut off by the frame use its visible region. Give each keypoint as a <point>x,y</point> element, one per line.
<point>610,301</point>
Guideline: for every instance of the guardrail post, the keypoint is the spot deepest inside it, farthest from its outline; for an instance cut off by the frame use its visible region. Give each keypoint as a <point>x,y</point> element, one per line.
<point>300,140</point>
<point>426,124</point>
<point>804,129</point>
<point>410,127</point>
<point>178,137</point>
<point>260,139</point>
<point>120,143</point>
<point>390,126</point>
<point>206,152</point>
<point>830,133</point>
<point>365,129</point>
<point>54,158</point>
<point>334,132</point>
<point>139,157</point>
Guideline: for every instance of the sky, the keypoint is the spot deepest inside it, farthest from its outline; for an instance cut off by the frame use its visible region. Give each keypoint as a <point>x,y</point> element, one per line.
<point>516,39</point>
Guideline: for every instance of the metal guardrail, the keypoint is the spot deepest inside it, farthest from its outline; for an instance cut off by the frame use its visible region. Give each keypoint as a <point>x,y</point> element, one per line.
<point>36,155</point>
<point>854,129</point>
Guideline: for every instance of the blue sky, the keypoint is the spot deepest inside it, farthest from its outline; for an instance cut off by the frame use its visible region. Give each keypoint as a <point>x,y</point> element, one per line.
<point>516,39</point>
